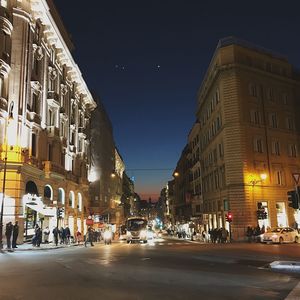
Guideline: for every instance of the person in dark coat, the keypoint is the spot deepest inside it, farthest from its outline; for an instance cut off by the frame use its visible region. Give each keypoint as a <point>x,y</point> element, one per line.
<point>8,233</point>
<point>15,234</point>
<point>55,234</point>
<point>67,234</point>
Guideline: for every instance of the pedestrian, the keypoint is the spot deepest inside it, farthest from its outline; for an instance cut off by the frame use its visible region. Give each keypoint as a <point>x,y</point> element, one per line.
<point>8,233</point>
<point>55,235</point>
<point>78,236</point>
<point>15,234</point>
<point>46,235</point>
<point>89,237</point>
<point>249,233</point>
<point>67,235</point>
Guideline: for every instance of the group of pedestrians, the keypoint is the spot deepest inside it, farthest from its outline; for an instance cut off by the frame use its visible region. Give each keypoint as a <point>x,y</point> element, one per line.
<point>11,233</point>
<point>219,235</point>
<point>253,233</point>
<point>62,235</point>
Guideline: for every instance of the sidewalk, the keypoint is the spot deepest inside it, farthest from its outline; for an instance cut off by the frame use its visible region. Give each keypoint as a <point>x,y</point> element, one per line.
<point>30,247</point>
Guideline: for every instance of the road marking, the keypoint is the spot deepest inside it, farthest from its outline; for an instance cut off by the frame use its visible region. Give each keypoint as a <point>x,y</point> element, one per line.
<point>145,258</point>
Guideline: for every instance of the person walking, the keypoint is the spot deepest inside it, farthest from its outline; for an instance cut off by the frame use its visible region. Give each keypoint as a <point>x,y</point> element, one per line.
<point>8,233</point>
<point>15,234</point>
<point>67,235</point>
<point>89,237</point>
<point>78,236</point>
<point>55,235</point>
<point>46,235</point>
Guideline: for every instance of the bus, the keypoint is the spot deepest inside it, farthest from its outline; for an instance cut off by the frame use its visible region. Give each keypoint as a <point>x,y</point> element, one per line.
<point>136,229</point>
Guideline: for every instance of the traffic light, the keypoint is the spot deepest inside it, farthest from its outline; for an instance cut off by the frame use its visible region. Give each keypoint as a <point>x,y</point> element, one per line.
<point>60,212</point>
<point>229,217</point>
<point>261,214</point>
<point>293,199</point>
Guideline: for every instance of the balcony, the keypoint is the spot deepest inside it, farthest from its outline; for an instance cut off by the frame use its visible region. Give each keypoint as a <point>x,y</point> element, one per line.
<point>71,176</point>
<point>82,131</point>
<point>33,117</point>
<point>51,167</point>
<point>53,131</point>
<point>53,96</point>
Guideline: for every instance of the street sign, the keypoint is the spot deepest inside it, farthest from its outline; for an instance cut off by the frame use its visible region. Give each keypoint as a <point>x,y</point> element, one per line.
<point>296,177</point>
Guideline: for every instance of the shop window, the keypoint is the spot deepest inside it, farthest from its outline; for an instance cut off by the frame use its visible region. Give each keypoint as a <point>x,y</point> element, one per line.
<point>281,214</point>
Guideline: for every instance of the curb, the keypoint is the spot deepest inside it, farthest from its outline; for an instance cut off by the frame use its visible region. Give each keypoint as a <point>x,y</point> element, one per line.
<point>39,248</point>
<point>294,294</point>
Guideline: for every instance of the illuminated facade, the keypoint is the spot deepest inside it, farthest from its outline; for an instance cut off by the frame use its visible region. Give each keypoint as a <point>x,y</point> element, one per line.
<point>247,108</point>
<point>45,109</point>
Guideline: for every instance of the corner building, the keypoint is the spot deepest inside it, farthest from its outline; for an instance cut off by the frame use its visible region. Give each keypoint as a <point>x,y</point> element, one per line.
<point>249,137</point>
<point>45,109</point>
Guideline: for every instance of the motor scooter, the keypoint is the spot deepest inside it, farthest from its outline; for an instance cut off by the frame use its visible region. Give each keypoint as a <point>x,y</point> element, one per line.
<point>107,236</point>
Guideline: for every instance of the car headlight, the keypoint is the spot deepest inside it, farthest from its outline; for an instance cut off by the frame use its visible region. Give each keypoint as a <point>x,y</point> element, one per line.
<point>128,233</point>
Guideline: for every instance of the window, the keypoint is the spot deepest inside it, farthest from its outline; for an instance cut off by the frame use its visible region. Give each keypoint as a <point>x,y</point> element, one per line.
<point>252,90</point>
<point>50,150</point>
<point>35,103</point>
<point>290,123</point>
<point>254,116</point>
<point>285,98</point>
<point>273,120</point>
<point>1,86</point>
<point>217,96</point>
<point>258,145</point>
<point>275,148</point>
<point>33,144</point>
<point>221,150</point>
<point>71,199</point>
<point>197,208</point>
<point>278,177</point>
<point>292,149</point>
<point>270,94</point>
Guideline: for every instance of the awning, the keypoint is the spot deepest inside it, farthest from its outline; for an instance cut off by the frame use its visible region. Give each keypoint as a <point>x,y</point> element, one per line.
<point>46,211</point>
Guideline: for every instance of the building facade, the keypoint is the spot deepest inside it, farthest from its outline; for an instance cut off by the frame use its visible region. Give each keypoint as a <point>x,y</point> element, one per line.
<point>45,109</point>
<point>249,137</point>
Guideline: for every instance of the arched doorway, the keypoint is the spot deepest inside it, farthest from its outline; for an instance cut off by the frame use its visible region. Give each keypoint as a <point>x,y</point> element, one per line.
<point>30,197</point>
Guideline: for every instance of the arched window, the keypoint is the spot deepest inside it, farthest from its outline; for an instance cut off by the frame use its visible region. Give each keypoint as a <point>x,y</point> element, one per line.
<point>31,188</point>
<point>48,192</point>
<point>71,199</point>
<point>79,206</point>
<point>61,196</point>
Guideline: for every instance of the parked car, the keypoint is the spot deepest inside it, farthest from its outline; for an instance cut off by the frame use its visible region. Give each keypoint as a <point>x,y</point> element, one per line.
<point>281,235</point>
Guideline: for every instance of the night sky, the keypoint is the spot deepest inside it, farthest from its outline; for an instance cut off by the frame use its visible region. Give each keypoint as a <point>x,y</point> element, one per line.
<point>146,61</point>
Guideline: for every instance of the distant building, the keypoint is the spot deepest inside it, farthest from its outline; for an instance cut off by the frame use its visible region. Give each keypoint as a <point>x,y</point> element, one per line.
<point>102,162</point>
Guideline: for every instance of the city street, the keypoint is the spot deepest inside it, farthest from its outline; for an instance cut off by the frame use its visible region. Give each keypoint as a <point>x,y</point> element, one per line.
<point>166,268</point>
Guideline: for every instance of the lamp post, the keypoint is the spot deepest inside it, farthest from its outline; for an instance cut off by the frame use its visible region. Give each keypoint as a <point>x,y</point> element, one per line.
<point>4,177</point>
<point>263,177</point>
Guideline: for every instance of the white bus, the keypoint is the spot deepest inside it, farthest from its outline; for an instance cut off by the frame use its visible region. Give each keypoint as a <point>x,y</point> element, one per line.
<point>136,229</point>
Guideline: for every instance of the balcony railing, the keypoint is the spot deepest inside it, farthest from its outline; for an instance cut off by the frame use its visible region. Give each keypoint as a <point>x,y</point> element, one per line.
<point>51,95</point>
<point>71,176</point>
<point>51,167</point>
<point>53,131</point>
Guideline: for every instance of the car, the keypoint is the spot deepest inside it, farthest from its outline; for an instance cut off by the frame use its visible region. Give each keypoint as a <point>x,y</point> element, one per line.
<point>281,235</point>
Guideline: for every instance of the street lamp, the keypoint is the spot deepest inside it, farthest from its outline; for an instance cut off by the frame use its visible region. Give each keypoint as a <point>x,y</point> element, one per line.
<point>263,177</point>
<point>9,118</point>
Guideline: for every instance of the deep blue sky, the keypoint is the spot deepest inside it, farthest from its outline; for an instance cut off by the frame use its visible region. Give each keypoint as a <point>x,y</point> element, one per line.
<point>153,108</point>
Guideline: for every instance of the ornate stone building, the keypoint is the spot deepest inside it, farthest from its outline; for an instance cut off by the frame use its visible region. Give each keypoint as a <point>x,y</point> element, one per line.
<point>249,137</point>
<point>45,109</point>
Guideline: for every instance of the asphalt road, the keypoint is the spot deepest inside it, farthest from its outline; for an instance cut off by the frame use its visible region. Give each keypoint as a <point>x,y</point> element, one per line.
<point>166,269</point>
